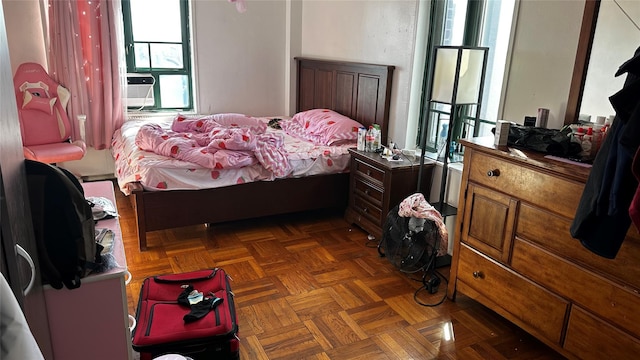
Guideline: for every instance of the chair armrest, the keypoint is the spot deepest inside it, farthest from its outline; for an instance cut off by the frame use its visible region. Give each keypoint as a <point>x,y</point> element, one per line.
<point>82,119</point>
<point>81,144</point>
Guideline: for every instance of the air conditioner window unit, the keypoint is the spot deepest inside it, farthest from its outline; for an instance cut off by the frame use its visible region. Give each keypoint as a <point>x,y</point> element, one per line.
<point>140,90</point>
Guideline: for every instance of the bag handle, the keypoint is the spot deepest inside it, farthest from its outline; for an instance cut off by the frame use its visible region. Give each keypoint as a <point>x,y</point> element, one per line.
<point>186,277</point>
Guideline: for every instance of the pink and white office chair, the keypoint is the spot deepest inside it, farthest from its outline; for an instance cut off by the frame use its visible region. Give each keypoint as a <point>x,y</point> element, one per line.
<point>44,123</point>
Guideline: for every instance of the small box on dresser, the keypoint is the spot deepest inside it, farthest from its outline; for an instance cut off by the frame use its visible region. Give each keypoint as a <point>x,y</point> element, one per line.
<point>513,252</point>
<point>377,185</point>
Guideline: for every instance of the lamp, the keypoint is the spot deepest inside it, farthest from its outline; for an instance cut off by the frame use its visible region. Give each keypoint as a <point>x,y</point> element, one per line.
<point>457,79</point>
<point>458,75</point>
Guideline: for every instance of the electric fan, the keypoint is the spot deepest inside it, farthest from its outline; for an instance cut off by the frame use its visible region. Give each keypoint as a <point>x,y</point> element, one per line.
<point>409,243</point>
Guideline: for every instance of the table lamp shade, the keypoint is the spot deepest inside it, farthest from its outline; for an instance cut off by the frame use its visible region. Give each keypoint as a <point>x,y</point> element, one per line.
<point>465,64</point>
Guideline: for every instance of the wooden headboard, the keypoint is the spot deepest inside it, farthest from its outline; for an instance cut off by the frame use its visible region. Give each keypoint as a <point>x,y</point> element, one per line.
<point>357,90</point>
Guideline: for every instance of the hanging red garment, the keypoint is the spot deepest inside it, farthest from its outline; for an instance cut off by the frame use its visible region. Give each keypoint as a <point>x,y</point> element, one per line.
<point>634,209</point>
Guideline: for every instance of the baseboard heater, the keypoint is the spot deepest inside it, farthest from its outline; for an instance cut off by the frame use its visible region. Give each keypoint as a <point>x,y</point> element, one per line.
<point>140,90</point>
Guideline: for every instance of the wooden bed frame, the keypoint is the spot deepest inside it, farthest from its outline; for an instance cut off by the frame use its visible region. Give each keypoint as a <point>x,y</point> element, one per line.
<point>359,91</point>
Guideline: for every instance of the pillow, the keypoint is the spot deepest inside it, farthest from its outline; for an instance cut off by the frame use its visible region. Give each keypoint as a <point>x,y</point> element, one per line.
<point>294,129</point>
<point>325,126</point>
<point>31,102</point>
<point>184,122</point>
<point>241,121</point>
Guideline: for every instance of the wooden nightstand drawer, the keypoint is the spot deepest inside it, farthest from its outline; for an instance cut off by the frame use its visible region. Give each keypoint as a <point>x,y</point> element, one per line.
<point>367,209</point>
<point>369,192</point>
<point>560,195</point>
<point>363,169</point>
<point>530,304</point>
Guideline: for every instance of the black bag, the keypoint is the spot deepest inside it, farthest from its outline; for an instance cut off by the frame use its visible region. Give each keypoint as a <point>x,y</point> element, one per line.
<point>548,141</point>
<point>63,225</point>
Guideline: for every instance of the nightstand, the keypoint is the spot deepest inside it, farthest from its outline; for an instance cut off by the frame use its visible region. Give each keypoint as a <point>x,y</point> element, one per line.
<point>377,185</point>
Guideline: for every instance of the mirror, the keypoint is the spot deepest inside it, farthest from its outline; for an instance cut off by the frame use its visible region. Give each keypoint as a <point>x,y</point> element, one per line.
<point>607,39</point>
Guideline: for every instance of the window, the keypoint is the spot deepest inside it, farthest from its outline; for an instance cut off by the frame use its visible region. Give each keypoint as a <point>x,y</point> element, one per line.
<point>157,43</point>
<point>471,23</point>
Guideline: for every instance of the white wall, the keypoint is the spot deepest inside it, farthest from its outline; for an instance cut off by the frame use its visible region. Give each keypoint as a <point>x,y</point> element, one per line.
<point>24,32</point>
<point>245,64</point>
<point>379,32</point>
<point>240,57</point>
<point>386,32</point>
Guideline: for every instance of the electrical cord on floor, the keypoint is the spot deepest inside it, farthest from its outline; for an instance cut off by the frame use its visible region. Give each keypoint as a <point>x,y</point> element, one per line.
<point>434,283</point>
<point>426,287</point>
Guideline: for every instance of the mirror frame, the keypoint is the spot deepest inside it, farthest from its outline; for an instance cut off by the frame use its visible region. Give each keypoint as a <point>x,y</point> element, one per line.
<point>588,29</point>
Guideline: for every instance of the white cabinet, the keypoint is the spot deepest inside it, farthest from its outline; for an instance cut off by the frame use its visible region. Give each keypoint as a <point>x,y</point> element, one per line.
<point>91,322</point>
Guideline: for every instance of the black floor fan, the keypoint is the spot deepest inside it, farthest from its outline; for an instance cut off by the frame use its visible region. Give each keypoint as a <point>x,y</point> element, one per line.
<point>411,244</point>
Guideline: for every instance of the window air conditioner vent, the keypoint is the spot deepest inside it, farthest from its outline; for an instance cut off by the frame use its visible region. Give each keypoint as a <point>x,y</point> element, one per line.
<point>140,90</point>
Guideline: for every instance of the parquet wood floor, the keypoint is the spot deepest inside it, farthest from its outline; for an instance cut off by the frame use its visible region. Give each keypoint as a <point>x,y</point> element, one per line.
<point>310,286</point>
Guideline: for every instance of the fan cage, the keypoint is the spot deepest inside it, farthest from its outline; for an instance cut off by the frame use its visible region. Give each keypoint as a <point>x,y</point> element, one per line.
<point>407,250</point>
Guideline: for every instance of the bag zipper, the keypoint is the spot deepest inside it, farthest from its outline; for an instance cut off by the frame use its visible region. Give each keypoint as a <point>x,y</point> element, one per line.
<point>153,308</point>
<point>163,279</point>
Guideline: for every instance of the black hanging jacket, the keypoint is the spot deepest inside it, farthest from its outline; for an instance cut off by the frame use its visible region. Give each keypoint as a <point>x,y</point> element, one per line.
<point>602,218</point>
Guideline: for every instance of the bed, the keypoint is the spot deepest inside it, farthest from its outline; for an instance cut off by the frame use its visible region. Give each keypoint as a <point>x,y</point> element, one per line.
<point>357,90</point>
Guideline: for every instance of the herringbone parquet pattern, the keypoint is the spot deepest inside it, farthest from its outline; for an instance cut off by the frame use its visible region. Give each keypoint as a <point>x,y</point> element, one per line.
<point>310,286</point>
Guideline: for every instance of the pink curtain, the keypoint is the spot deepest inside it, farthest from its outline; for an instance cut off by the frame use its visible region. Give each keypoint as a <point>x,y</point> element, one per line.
<point>86,57</point>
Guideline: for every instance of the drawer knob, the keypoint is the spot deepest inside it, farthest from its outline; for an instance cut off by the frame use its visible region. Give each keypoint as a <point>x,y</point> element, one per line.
<point>494,172</point>
<point>365,210</point>
<point>368,172</point>
<point>367,191</point>
<point>478,275</point>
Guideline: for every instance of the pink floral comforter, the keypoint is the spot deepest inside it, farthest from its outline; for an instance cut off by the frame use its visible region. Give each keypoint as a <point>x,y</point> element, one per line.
<point>217,142</point>
<point>158,172</point>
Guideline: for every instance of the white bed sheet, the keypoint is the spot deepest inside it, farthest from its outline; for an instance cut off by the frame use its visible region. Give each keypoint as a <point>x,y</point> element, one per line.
<point>157,172</point>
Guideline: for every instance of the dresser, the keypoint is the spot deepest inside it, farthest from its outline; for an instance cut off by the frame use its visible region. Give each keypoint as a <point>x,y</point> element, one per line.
<point>92,321</point>
<point>377,185</point>
<point>513,252</point>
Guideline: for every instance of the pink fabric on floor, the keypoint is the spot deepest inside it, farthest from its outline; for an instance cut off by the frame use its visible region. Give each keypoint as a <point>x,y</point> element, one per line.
<point>416,206</point>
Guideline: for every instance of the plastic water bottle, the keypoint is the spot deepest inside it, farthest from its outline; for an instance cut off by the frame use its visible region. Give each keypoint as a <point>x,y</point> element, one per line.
<point>362,132</point>
<point>369,138</point>
<point>377,137</point>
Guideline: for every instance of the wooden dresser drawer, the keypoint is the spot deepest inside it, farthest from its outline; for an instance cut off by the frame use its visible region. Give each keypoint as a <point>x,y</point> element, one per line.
<point>363,169</point>
<point>528,302</point>
<point>368,191</point>
<point>552,232</point>
<point>584,288</point>
<point>591,338</point>
<point>556,194</point>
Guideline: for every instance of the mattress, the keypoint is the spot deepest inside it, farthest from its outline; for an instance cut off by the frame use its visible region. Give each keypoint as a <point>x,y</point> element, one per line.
<point>157,172</point>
